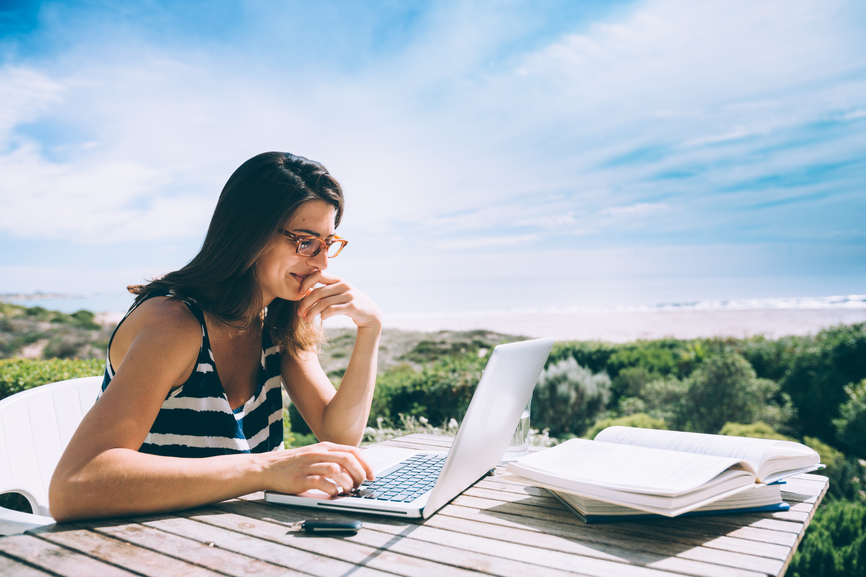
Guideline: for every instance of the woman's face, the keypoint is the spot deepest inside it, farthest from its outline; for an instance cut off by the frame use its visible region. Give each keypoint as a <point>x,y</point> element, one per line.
<point>281,270</point>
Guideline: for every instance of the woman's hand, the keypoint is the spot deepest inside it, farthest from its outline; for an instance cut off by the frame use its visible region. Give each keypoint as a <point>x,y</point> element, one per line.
<point>337,297</point>
<point>328,467</point>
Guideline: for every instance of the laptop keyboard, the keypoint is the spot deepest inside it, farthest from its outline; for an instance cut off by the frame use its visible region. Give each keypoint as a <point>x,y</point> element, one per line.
<point>417,476</point>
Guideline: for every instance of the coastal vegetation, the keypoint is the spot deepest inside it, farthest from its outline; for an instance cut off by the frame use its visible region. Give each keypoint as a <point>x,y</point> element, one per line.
<point>811,389</point>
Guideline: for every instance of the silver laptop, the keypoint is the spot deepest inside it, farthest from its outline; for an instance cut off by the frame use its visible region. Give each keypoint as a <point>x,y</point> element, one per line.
<point>412,483</point>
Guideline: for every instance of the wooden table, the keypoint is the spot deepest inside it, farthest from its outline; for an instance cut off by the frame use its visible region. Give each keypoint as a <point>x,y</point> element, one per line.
<point>496,527</point>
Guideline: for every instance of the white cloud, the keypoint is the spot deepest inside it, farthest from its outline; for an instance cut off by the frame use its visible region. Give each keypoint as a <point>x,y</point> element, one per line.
<point>25,94</point>
<point>638,208</point>
<point>470,243</point>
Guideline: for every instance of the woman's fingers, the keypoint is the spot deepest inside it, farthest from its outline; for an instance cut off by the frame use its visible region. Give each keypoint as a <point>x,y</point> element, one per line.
<point>327,467</point>
<point>335,291</point>
<point>317,277</point>
<point>334,474</point>
<point>348,458</point>
<point>322,304</point>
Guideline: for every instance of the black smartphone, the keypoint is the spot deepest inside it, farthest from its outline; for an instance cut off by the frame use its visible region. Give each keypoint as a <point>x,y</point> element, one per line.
<point>331,526</point>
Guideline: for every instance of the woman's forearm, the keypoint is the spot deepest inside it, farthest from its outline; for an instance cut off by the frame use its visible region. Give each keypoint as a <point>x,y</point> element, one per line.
<point>345,416</point>
<point>126,482</point>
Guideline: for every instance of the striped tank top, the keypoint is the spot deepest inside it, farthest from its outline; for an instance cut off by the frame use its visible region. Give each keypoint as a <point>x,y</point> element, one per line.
<point>196,419</point>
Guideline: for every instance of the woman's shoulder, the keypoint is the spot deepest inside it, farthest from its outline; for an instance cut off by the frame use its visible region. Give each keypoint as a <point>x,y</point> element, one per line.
<point>159,329</point>
<point>163,318</point>
<point>164,311</point>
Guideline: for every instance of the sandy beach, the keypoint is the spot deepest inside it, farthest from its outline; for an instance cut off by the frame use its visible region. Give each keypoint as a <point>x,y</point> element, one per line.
<point>620,327</point>
<point>629,326</point>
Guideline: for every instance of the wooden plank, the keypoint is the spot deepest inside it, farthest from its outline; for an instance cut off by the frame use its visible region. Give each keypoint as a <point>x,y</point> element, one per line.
<point>566,560</point>
<point>13,568</point>
<point>239,541</point>
<point>589,541</point>
<point>239,516</point>
<point>202,554</point>
<point>600,533</point>
<point>392,540</point>
<point>56,560</point>
<point>749,541</point>
<point>480,540</point>
<point>544,501</point>
<point>119,553</point>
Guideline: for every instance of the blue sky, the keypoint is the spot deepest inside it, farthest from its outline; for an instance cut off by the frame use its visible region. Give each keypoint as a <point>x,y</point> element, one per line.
<point>495,155</point>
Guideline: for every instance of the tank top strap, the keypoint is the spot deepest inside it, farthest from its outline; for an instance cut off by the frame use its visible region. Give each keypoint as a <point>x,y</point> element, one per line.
<point>205,354</point>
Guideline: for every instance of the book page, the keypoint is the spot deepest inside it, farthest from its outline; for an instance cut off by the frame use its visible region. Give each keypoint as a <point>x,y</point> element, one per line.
<point>745,448</point>
<point>636,469</point>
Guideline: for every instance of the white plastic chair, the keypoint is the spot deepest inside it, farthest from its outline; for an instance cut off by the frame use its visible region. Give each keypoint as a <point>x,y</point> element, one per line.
<point>35,427</point>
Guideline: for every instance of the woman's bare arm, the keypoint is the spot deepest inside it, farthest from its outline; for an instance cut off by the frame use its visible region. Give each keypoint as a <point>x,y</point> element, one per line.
<point>102,474</point>
<point>337,416</point>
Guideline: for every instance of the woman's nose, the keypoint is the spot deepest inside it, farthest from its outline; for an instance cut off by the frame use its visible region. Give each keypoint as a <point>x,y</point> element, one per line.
<point>320,261</point>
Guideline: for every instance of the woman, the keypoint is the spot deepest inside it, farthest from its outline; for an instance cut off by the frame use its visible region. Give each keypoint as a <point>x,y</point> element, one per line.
<point>191,409</point>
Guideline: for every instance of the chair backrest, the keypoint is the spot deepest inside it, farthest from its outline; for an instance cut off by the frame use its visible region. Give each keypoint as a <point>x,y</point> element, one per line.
<point>35,427</point>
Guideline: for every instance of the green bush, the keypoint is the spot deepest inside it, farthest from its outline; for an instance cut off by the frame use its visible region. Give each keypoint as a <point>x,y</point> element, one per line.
<point>769,358</point>
<point>818,369</point>
<point>18,375</point>
<point>691,355</point>
<point>654,356</point>
<point>439,392</point>
<point>593,355</point>
<point>640,420</point>
<point>846,473</point>
<point>724,388</point>
<point>851,424</point>
<point>663,399</point>
<point>631,381</point>
<point>757,430</point>
<point>835,544</point>
<point>568,397</point>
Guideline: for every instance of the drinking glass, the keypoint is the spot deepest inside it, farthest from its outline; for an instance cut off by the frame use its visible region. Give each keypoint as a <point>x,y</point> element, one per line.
<point>519,444</point>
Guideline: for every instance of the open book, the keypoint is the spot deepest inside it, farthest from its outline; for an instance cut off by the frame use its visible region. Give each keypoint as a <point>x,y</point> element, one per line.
<point>663,472</point>
<point>755,498</point>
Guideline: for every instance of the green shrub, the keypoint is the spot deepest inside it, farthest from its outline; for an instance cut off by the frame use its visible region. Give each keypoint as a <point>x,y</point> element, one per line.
<point>846,473</point>
<point>439,392</point>
<point>654,356</point>
<point>641,420</point>
<point>835,544</point>
<point>757,430</point>
<point>691,355</point>
<point>664,398</point>
<point>18,375</point>
<point>568,397</point>
<point>631,381</point>
<point>593,355</point>
<point>724,388</point>
<point>769,358</point>
<point>851,424</point>
<point>818,369</point>
<point>297,424</point>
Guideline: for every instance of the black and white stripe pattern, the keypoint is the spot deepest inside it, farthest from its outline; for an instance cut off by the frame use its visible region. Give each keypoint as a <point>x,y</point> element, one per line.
<point>196,419</point>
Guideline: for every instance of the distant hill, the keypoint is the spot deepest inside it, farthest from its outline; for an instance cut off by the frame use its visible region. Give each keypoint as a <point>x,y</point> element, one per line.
<point>38,333</point>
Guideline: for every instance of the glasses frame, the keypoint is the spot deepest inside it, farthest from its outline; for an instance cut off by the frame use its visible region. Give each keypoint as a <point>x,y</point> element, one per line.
<point>321,243</point>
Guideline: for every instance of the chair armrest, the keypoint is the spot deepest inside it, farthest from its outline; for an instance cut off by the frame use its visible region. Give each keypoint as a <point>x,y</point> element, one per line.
<point>14,522</point>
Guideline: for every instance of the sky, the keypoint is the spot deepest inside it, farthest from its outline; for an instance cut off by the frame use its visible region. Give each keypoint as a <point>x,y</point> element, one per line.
<point>496,156</point>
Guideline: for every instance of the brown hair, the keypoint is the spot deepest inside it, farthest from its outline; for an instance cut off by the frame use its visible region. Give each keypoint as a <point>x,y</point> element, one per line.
<point>258,199</point>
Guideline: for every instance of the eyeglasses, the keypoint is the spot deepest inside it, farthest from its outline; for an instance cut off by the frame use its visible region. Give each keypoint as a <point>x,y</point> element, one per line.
<point>311,246</point>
